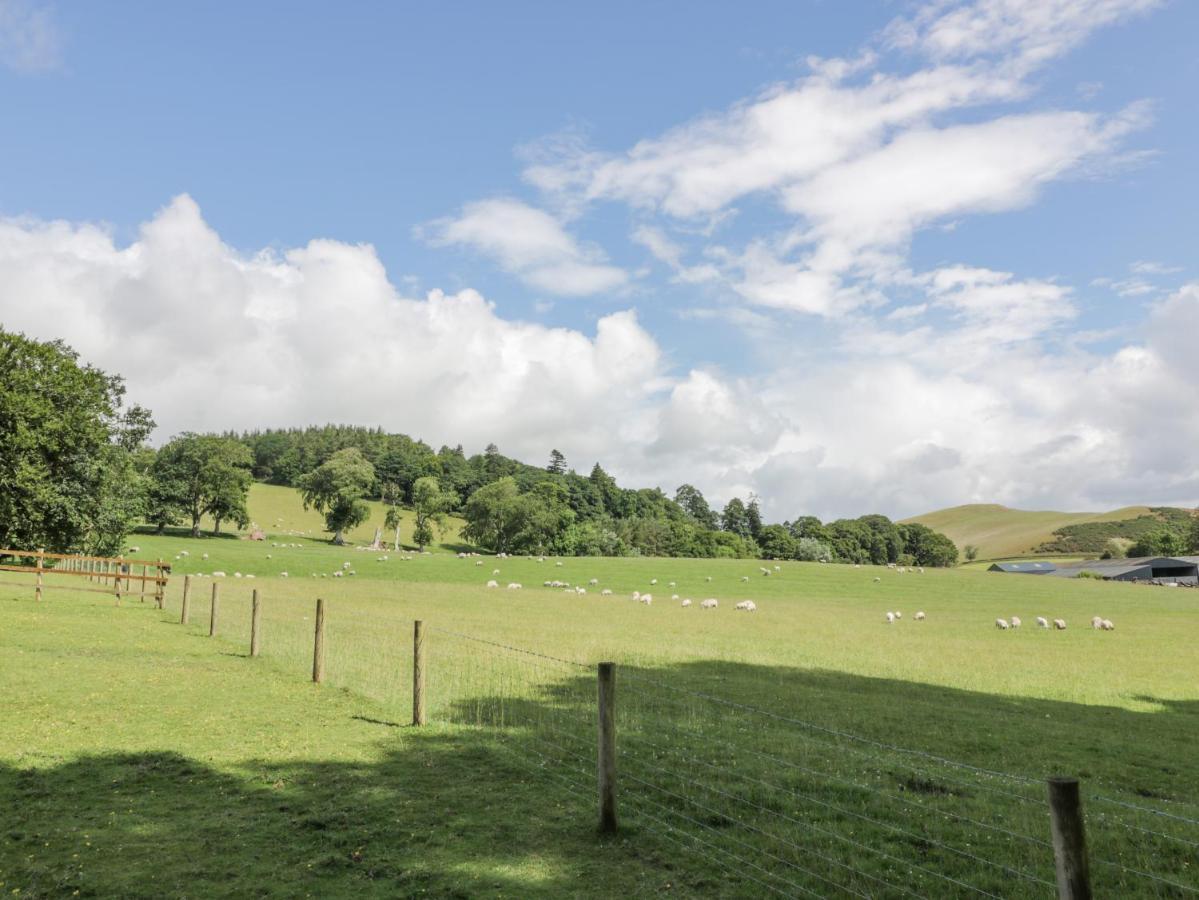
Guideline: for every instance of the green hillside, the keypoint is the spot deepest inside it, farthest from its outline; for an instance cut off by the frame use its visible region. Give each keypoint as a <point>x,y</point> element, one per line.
<point>1000,532</point>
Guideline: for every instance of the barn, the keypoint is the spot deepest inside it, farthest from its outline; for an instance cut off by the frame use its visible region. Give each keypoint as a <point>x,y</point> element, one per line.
<point>1180,569</point>
<point>1024,568</point>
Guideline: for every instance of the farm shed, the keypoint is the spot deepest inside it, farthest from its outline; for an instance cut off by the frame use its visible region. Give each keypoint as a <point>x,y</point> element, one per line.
<point>1183,569</point>
<point>1024,568</point>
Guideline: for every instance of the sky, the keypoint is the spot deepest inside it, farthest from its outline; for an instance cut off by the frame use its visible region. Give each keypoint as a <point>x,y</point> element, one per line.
<point>849,257</point>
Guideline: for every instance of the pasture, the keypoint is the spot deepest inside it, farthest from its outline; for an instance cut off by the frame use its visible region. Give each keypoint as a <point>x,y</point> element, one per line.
<point>808,746</point>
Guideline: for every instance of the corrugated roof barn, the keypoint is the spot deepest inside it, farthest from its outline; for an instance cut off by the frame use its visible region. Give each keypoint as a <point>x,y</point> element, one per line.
<point>1182,569</point>
<point>1024,568</point>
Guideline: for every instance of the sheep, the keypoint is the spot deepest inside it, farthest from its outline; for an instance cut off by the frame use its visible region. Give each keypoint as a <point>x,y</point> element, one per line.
<point>493,583</point>
<point>1059,624</point>
<point>268,556</point>
<point>606,592</point>
<point>710,603</point>
<point>898,614</point>
<point>709,578</point>
<point>653,581</point>
<point>237,574</point>
<point>1107,625</point>
<point>205,556</point>
<point>337,574</point>
<point>1042,622</point>
<point>218,574</point>
<point>636,595</point>
<point>685,603</point>
<point>745,578</point>
<point>593,582</point>
<point>674,596</point>
<point>890,618</point>
<point>478,562</point>
<point>778,568</point>
<point>647,599</point>
<point>1016,623</point>
<point>673,584</point>
<point>1001,624</point>
<point>746,606</point>
<point>251,576</point>
<point>135,549</point>
<point>282,574</point>
<point>345,565</point>
<point>495,571</point>
<point>514,586</point>
<point>919,615</point>
<point>580,590</point>
<point>558,564</point>
<point>1097,622</point>
<point>877,579</point>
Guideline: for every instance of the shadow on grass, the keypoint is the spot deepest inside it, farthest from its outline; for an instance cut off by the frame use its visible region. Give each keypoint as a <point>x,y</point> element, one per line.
<point>483,808</point>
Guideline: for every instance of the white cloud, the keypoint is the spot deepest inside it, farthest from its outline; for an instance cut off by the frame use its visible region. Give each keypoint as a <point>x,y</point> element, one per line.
<point>988,406</point>
<point>29,38</point>
<point>530,244</point>
<point>1150,267</point>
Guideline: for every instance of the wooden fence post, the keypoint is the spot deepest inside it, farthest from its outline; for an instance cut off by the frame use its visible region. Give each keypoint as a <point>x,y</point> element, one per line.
<point>418,673</point>
<point>160,585</point>
<point>255,624</point>
<point>1069,840</point>
<point>318,644</point>
<point>116,582</point>
<point>216,602</point>
<point>41,551</point>
<point>606,768</point>
<point>187,599</point>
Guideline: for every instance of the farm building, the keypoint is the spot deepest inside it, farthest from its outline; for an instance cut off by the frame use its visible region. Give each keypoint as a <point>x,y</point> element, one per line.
<point>1024,568</point>
<point>1181,569</point>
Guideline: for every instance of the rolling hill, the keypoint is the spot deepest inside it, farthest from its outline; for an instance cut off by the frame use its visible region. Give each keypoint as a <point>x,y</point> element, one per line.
<point>1000,532</point>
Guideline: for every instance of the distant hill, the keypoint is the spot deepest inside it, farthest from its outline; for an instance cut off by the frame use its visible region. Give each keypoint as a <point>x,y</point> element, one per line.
<point>1000,532</point>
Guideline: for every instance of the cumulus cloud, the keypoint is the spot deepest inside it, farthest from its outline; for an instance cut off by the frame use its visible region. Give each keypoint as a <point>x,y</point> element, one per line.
<point>29,37</point>
<point>989,405</point>
<point>531,244</point>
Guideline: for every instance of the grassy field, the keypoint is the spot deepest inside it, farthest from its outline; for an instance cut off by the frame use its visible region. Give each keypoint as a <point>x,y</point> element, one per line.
<point>999,532</point>
<point>807,746</point>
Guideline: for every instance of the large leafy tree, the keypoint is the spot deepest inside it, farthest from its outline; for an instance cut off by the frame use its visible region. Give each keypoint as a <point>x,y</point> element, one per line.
<point>195,474</point>
<point>336,488</point>
<point>694,504</point>
<point>429,503</point>
<point>72,459</point>
<point>494,515</point>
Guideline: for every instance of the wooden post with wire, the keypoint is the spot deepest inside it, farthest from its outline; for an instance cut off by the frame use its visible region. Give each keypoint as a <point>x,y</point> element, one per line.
<point>255,624</point>
<point>606,765</point>
<point>418,673</point>
<point>187,599</point>
<point>318,644</point>
<point>1069,839</point>
<point>41,558</point>
<point>160,585</point>
<point>116,582</point>
<point>216,604</point>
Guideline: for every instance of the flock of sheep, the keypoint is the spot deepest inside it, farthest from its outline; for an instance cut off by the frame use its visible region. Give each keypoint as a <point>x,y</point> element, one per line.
<point>1097,622</point>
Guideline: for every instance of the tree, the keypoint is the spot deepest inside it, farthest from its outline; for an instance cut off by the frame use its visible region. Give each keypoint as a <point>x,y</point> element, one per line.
<point>970,552</point>
<point>811,550</point>
<point>1163,542</point>
<point>391,496</point>
<point>429,503</point>
<point>776,542</point>
<point>68,480</point>
<point>694,504</point>
<point>336,488</point>
<point>196,474</point>
<point>753,517</point>
<point>734,519</point>
<point>494,515</point>
<point>1194,535</point>
<point>557,464</point>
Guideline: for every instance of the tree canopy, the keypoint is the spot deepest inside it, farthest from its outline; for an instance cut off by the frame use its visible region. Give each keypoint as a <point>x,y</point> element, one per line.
<point>336,488</point>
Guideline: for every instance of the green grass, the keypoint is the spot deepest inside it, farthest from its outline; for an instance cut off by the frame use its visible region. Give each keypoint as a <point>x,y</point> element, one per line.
<point>195,771</point>
<point>1000,532</point>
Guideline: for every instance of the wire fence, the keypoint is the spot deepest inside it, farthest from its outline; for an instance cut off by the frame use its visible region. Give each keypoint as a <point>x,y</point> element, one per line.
<point>749,799</point>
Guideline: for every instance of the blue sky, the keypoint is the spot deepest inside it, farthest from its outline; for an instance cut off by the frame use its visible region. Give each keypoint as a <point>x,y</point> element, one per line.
<point>691,241</point>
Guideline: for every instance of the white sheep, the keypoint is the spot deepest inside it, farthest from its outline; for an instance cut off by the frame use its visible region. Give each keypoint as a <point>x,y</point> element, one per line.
<point>495,571</point>
<point>1107,625</point>
<point>514,586</point>
<point>710,603</point>
<point>1097,622</point>
<point>647,599</point>
<point>919,615</point>
<point>778,568</point>
<point>686,603</point>
<point>493,583</point>
<point>1001,624</point>
<point>580,590</point>
<point>877,580</point>
<point>653,581</point>
<point>593,582</point>
<point>890,618</point>
<point>268,556</point>
<point>636,595</point>
<point>205,556</point>
<point>478,562</point>
<point>1016,623</point>
<point>674,596</point>
<point>237,574</point>
<point>282,574</point>
<point>337,574</point>
<point>709,578</point>
<point>1059,624</point>
<point>747,606</point>
<point>345,565</point>
<point>745,578</point>
<point>1042,622</point>
<point>559,564</point>
<point>606,592</point>
<point>218,574</point>
<point>898,614</point>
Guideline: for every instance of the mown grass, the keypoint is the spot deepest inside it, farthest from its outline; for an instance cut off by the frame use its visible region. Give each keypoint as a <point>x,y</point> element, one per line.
<point>496,798</point>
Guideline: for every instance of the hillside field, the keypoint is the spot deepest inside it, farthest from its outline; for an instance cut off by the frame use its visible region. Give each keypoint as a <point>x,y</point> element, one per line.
<point>1000,532</point>
<point>807,746</point>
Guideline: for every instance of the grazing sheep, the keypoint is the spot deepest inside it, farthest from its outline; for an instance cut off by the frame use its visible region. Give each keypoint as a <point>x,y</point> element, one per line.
<point>580,590</point>
<point>710,603</point>
<point>1107,625</point>
<point>514,586</point>
<point>337,574</point>
<point>653,581</point>
<point>493,583</point>
<point>1042,622</point>
<point>1097,622</point>
<point>237,574</point>
<point>898,614</point>
<point>135,549</point>
<point>709,578</point>
<point>495,571</point>
<point>345,565</point>
<point>1016,623</point>
<point>1001,624</point>
<point>647,599</point>
<point>636,595</point>
<point>593,582</point>
<point>606,592</point>
<point>920,615</point>
<point>747,606</point>
<point>890,618</point>
<point>268,556</point>
<point>559,564</point>
<point>1059,624</point>
<point>205,556</point>
<point>685,603</point>
<point>282,574</point>
<point>745,578</point>
<point>778,568</point>
<point>478,562</point>
<point>674,596</point>
<point>218,574</point>
<point>877,579</point>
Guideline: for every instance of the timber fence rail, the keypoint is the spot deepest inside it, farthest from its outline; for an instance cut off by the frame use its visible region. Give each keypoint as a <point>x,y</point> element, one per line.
<point>115,575</point>
<point>776,803</point>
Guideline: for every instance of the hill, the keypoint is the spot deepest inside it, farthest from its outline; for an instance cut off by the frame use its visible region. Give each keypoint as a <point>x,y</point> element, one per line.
<point>1000,532</point>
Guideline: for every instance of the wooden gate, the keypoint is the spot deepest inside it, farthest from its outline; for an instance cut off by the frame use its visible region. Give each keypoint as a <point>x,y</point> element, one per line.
<point>116,575</point>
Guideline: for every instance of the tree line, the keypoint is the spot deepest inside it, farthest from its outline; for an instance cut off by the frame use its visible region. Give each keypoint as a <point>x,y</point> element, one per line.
<point>81,475</point>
